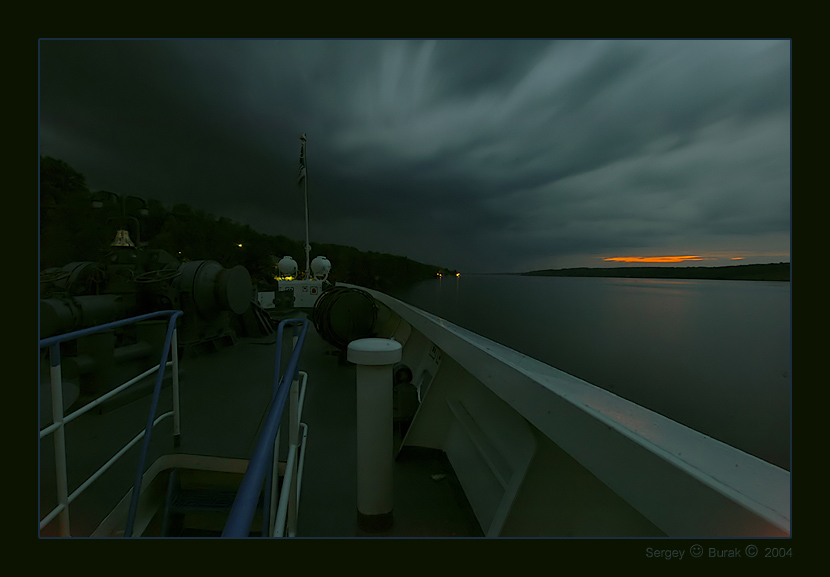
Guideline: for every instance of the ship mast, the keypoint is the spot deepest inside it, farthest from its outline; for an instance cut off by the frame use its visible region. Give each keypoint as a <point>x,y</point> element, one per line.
<point>304,179</point>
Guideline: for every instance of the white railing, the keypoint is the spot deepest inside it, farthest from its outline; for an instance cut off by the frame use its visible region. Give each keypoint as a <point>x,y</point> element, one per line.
<point>286,509</point>
<point>59,420</point>
<point>647,459</point>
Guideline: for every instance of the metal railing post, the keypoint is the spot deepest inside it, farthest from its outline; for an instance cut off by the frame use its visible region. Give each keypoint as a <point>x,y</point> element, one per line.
<point>60,437</point>
<point>260,466</point>
<point>300,467</point>
<point>293,429</point>
<point>292,496</point>
<point>271,476</point>
<point>177,417</point>
<point>60,420</point>
<point>293,410</point>
<point>293,440</point>
<point>275,473</point>
<point>287,484</point>
<point>148,429</point>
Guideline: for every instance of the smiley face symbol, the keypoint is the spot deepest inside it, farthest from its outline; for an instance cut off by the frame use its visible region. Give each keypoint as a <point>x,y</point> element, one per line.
<point>696,550</point>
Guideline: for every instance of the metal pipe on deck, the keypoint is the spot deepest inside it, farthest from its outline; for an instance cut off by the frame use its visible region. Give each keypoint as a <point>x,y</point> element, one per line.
<point>375,497</point>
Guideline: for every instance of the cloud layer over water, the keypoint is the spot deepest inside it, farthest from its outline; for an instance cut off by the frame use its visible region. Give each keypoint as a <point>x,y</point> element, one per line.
<point>480,155</point>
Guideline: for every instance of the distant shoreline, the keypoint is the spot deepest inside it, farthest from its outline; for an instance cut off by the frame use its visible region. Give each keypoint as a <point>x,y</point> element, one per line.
<point>761,272</point>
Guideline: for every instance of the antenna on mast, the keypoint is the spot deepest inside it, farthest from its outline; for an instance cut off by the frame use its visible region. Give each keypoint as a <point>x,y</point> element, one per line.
<point>304,180</point>
<point>306,290</point>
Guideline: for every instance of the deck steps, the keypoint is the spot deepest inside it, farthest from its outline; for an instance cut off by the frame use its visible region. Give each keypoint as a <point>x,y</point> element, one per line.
<point>198,504</point>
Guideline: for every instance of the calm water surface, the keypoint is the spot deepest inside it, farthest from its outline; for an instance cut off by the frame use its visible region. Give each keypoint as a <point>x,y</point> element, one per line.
<point>713,355</point>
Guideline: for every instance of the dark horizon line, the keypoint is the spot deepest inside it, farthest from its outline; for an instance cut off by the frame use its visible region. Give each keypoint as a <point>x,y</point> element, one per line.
<point>634,269</point>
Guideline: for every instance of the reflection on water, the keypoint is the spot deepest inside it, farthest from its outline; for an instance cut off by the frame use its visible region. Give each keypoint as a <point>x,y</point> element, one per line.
<point>676,287</point>
<point>713,355</point>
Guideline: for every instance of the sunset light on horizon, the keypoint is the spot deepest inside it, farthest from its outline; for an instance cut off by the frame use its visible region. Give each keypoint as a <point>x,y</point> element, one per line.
<point>656,259</point>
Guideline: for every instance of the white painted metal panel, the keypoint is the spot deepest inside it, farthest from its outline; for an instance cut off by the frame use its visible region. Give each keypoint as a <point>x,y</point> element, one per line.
<point>490,447</point>
<point>266,299</point>
<point>686,483</point>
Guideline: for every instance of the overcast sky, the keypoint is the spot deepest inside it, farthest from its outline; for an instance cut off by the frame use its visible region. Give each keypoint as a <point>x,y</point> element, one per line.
<point>480,155</point>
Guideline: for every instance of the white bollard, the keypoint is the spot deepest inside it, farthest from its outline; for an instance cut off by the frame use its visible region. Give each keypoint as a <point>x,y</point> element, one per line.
<point>374,359</point>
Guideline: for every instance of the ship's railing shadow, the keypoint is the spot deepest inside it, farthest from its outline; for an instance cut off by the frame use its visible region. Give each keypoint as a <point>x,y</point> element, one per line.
<point>262,468</point>
<point>59,420</point>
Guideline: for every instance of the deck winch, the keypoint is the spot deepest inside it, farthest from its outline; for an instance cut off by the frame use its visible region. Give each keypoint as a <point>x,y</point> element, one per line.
<point>342,315</point>
<point>131,281</point>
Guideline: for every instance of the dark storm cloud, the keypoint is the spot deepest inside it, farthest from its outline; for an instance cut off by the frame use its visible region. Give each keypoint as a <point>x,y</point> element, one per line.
<point>481,155</point>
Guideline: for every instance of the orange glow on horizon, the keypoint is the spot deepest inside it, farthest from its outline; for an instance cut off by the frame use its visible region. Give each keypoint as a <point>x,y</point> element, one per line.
<point>654,258</point>
<point>737,258</point>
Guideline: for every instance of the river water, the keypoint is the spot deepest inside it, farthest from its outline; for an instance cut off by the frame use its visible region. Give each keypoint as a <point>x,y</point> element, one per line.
<point>713,355</point>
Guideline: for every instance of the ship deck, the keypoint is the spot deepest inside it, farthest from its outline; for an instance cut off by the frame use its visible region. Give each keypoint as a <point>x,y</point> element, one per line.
<point>538,452</point>
<point>223,396</point>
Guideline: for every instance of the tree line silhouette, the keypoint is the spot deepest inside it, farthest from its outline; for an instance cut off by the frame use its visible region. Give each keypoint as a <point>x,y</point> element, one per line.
<point>72,230</point>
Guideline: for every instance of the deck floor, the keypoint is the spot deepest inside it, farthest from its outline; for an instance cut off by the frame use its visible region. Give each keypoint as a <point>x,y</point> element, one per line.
<point>223,398</point>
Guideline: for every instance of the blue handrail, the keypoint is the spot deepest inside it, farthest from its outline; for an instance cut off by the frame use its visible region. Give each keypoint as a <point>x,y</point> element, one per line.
<point>111,325</point>
<point>244,506</point>
<point>149,428</point>
<point>269,475</point>
<point>171,325</point>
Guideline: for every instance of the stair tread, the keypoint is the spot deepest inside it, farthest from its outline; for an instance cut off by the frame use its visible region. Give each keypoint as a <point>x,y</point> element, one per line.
<point>205,500</point>
<point>201,499</point>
